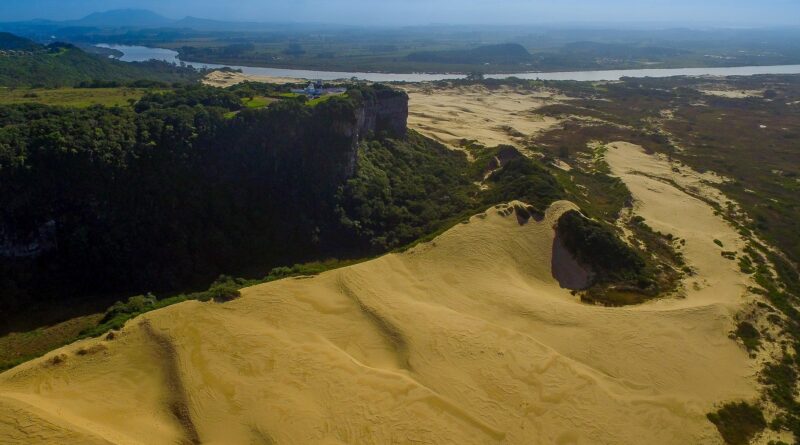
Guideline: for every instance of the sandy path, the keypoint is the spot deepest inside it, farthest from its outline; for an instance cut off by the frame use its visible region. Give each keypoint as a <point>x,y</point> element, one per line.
<point>464,340</point>
<point>491,117</point>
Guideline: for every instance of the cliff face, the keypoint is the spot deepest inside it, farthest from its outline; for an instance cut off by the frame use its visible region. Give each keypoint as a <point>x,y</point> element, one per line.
<point>29,247</point>
<point>379,111</point>
<point>385,111</point>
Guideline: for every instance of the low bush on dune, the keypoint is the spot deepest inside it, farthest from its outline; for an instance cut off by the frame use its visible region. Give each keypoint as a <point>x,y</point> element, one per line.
<point>223,290</point>
<point>598,247</point>
<point>135,305</point>
<point>622,275</point>
<point>738,422</point>
<point>525,180</point>
<point>222,293</point>
<point>749,335</point>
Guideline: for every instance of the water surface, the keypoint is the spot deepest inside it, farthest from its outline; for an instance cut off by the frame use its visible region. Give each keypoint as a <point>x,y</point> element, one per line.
<point>142,53</point>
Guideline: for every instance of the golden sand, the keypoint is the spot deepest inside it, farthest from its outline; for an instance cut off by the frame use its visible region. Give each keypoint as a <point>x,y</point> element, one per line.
<point>224,79</point>
<point>467,339</point>
<point>502,116</point>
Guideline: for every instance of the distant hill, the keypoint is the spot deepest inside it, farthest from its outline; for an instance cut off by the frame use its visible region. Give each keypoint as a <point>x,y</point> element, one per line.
<point>210,25</point>
<point>503,54</point>
<point>123,18</point>
<point>135,19</point>
<point>61,64</point>
<point>12,42</point>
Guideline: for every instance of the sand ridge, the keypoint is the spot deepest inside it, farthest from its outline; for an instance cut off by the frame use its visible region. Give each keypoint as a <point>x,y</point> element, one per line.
<point>467,339</point>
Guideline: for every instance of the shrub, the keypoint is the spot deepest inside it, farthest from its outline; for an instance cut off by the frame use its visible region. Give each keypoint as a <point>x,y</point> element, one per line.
<point>749,335</point>
<point>135,305</point>
<point>598,247</point>
<point>738,422</point>
<point>222,294</point>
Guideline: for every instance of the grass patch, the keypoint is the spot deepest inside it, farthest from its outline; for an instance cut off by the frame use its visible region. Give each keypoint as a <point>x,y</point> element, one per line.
<point>17,348</point>
<point>72,97</point>
<point>321,99</point>
<point>256,102</point>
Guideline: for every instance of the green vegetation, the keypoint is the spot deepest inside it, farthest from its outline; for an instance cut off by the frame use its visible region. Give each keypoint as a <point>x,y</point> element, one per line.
<point>319,100</point>
<point>598,247</point>
<point>781,378</point>
<point>17,348</point>
<point>749,335</point>
<point>222,290</point>
<point>257,102</point>
<point>523,179</point>
<point>738,422</point>
<point>62,64</point>
<point>622,275</point>
<point>405,190</point>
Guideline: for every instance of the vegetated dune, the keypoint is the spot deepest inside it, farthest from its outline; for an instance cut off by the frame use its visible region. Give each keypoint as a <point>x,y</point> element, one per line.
<point>467,339</point>
<point>501,116</point>
<point>668,209</point>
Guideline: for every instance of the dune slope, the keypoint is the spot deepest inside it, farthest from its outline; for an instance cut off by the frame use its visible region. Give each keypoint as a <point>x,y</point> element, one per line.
<point>467,339</point>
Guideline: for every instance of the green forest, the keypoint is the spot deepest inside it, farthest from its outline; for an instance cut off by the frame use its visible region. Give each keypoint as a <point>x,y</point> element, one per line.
<point>26,63</point>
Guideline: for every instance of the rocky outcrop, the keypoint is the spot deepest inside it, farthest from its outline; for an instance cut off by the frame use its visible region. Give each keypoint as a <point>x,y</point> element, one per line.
<point>31,246</point>
<point>380,110</point>
<point>384,111</point>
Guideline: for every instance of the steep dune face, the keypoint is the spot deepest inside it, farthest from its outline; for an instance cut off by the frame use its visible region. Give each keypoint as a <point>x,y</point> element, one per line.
<point>467,339</point>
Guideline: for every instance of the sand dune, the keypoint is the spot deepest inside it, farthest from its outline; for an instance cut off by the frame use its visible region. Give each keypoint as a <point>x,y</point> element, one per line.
<point>502,116</point>
<point>467,339</point>
<point>733,94</point>
<point>224,79</point>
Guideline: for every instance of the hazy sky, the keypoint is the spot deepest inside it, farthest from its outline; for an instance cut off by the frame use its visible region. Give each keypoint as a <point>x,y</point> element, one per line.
<point>393,12</point>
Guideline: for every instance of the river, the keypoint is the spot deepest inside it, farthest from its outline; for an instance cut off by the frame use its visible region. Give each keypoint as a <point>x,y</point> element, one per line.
<point>142,53</point>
